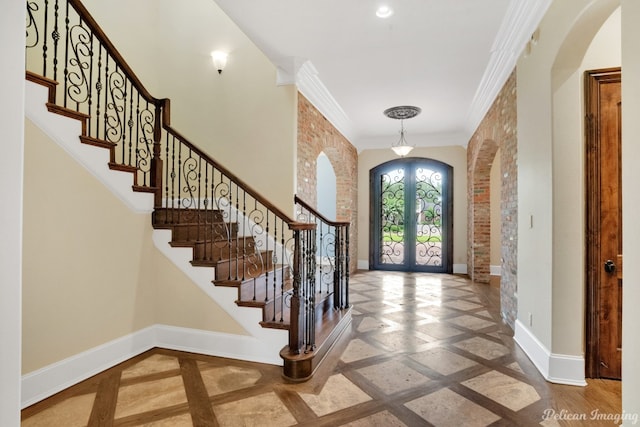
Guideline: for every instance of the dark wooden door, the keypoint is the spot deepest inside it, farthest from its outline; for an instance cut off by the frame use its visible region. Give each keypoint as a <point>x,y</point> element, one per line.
<point>604,223</point>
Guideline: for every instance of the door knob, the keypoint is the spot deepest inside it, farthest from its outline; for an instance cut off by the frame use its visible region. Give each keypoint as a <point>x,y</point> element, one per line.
<point>609,266</point>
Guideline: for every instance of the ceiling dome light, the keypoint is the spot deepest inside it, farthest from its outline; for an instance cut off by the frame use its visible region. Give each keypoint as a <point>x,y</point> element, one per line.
<point>384,12</point>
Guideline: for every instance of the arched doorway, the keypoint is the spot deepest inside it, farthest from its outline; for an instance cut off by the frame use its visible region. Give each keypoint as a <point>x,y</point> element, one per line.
<point>412,216</point>
<point>326,187</point>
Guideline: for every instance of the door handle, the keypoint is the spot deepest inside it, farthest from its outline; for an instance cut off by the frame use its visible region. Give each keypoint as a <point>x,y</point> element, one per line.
<point>609,266</point>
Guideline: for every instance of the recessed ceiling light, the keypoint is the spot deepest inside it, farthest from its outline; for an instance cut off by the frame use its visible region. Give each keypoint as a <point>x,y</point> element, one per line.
<point>384,12</point>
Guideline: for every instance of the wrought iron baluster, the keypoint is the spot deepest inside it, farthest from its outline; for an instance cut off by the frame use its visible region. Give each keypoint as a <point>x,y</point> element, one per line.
<point>266,267</point>
<point>124,137</point>
<point>203,232</point>
<point>230,230</point>
<point>139,137</point>
<point>168,183</point>
<point>56,38</point>
<point>32,24</point>
<point>132,136</point>
<point>90,84</point>
<point>180,172</point>
<point>98,90</point>
<point>32,38</point>
<point>45,38</point>
<point>66,54</point>
<point>106,99</point>
<point>207,214</point>
<point>237,234</point>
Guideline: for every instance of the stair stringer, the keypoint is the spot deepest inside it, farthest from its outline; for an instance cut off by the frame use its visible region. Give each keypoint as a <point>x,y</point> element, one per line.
<point>261,344</point>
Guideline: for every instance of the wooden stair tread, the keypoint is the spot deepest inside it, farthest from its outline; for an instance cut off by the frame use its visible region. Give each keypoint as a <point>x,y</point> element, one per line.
<point>97,142</point>
<point>122,168</point>
<point>277,268</point>
<point>143,189</point>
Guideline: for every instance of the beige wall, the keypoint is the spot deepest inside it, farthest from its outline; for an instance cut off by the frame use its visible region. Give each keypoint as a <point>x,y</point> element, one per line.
<point>539,262</point>
<point>456,156</point>
<point>550,156</point>
<point>91,273</point>
<point>240,118</point>
<point>569,181</point>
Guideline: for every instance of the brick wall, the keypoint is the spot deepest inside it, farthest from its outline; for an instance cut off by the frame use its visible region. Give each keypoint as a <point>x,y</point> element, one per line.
<point>316,135</point>
<point>497,130</point>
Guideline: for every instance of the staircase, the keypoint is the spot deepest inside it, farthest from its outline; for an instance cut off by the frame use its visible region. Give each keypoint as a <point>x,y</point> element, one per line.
<point>274,263</point>
<point>259,281</point>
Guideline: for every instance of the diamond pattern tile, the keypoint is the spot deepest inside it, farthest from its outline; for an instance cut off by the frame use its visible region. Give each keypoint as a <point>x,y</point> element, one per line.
<point>483,347</point>
<point>393,376</point>
<point>447,408</point>
<point>504,389</point>
<point>424,349</point>
<point>338,393</point>
<point>262,410</point>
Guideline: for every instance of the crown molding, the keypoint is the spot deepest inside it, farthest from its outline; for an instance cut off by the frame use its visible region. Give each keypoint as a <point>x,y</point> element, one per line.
<point>520,22</point>
<point>310,85</point>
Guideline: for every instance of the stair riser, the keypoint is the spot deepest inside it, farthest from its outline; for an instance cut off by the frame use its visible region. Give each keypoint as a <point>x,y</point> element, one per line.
<point>274,312</point>
<point>262,288</point>
<point>244,268</point>
<point>177,216</point>
<point>216,250</point>
<point>194,232</point>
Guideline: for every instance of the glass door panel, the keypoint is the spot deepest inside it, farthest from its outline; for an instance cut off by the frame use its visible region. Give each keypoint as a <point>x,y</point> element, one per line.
<point>411,216</point>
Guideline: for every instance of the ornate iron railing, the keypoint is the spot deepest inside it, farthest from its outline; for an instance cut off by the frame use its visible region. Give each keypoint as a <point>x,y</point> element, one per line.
<point>235,229</point>
<point>332,254</point>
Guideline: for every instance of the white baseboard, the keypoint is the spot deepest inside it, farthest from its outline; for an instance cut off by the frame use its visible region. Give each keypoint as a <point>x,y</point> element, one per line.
<point>495,270</point>
<point>555,368</point>
<point>47,381</point>
<point>459,268</point>
<point>363,264</point>
<point>241,347</point>
<point>44,382</point>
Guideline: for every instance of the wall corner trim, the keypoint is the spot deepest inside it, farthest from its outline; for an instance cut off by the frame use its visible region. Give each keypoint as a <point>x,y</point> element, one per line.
<point>555,368</point>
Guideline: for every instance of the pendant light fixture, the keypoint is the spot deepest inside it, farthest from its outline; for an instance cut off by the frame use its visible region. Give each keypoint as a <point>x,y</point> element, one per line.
<point>402,147</point>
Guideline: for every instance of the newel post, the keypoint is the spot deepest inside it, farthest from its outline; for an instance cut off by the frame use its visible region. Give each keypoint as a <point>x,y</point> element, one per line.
<point>298,306</point>
<point>156,160</point>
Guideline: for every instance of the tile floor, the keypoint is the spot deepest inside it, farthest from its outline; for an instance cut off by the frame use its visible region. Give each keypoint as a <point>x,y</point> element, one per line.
<point>424,349</point>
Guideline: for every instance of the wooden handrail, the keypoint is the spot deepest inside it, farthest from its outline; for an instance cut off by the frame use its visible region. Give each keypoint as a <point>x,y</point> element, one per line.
<point>318,214</point>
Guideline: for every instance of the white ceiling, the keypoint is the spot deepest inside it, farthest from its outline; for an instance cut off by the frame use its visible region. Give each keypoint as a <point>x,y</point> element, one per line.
<point>448,57</point>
